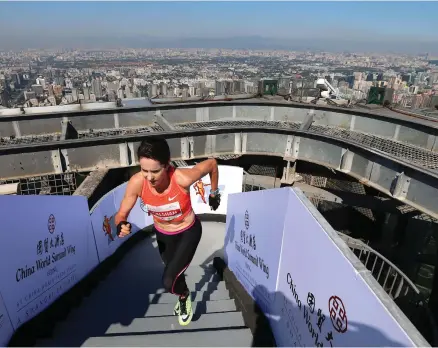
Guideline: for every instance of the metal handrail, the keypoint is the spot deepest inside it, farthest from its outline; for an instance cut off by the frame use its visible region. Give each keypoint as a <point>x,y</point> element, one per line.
<point>388,275</point>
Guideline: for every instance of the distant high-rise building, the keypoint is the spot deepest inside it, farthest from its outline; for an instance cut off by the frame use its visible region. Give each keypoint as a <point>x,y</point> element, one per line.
<point>50,90</point>
<point>41,81</point>
<point>5,98</point>
<point>163,89</point>
<point>29,95</point>
<point>38,89</point>
<point>350,80</point>
<point>407,78</point>
<point>220,87</point>
<point>59,81</point>
<point>74,93</point>
<point>96,88</point>
<point>87,93</point>
<point>16,79</point>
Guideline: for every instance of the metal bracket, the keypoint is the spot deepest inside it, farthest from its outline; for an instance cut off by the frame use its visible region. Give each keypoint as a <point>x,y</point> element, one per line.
<point>244,141</point>
<point>124,155</point>
<point>56,161</point>
<point>162,121</point>
<point>185,148</point>
<point>346,161</point>
<point>400,185</point>
<point>16,127</point>
<point>132,157</point>
<point>289,142</point>
<point>116,120</point>
<point>308,121</point>
<point>238,143</point>
<point>65,162</point>
<point>295,147</point>
<point>68,131</point>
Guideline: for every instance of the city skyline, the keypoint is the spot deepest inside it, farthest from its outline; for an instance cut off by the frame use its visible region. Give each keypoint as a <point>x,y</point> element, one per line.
<point>355,26</point>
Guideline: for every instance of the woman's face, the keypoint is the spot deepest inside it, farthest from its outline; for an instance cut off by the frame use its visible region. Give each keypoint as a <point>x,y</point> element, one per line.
<point>153,171</point>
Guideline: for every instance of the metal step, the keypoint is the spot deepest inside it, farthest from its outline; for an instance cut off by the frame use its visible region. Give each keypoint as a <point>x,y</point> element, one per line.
<point>106,289</point>
<point>165,309</point>
<point>170,323</point>
<point>218,338</point>
<point>196,285</point>
<point>196,296</point>
<point>147,326</point>
<point>129,307</point>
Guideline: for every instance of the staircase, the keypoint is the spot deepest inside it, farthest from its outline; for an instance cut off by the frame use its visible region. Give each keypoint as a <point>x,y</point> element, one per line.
<point>130,307</point>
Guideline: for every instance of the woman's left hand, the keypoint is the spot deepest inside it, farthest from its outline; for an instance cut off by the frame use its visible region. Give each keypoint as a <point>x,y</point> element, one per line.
<point>214,201</point>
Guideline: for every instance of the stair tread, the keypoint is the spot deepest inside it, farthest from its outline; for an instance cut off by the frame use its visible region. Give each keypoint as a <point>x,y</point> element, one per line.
<point>75,329</point>
<point>218,338</point>
<point>213,295</point>
<point>170,323</point>
<point>160,309</point>
<point>165,309</point>
<point>105,292</point>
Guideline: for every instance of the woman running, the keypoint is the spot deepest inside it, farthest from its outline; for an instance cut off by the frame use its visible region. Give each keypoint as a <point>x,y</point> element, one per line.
<point>165,192</point>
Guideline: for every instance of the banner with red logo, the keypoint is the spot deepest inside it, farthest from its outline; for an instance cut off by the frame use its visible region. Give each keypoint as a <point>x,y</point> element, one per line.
<point>325,295</point>
<point>45,250</point>
<point>310,285</point>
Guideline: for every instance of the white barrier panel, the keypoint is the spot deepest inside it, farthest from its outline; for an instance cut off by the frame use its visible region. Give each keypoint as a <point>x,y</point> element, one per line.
<point>104,227</point>
<point>6,329</point>
<point>230,181</point>
<point>44,251</point>
<point>254,232</point>
<point>322,298</point>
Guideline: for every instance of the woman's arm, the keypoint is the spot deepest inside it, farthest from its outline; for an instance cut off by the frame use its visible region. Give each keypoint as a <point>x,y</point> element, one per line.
<point>188,176</point>
<point>132,192</point>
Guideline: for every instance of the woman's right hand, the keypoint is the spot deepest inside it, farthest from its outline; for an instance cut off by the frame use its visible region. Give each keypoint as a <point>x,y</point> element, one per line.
<point>123,229</point>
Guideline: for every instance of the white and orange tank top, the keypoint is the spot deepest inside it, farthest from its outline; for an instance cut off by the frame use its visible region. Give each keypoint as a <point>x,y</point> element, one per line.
<point>173,205</point>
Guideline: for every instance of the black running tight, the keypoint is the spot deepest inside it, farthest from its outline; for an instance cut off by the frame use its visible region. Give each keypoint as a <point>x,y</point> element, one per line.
<point>177,252</point>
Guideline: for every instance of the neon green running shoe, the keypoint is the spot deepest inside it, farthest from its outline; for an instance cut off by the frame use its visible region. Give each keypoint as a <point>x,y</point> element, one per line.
<point>186,314</point>
<point>176,308</point>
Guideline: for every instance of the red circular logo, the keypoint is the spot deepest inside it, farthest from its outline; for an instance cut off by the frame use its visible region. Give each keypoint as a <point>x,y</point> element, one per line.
<point>51,223</point>
<point>338,315</point>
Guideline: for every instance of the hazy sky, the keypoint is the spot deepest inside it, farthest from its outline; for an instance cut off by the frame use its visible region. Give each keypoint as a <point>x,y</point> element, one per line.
<point>370,21</point>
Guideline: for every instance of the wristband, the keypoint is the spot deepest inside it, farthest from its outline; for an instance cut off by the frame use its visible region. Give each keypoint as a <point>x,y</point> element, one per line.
<point>119,226</point>
<point>215,192</point>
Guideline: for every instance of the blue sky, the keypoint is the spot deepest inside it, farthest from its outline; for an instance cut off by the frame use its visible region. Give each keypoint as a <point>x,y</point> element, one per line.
<point>353,20</point>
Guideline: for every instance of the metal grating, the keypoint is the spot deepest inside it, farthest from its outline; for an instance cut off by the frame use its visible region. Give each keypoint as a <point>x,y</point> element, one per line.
<point>314,180</point>
<point>30,139</point>
<point>409,153</point>
<point>157,128</point>
<point>262,170</point>
<point>232,123</point>
<point>92,133</point>
<point>179,163</point>
<point>228,157</point>
<point>64,184</point>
